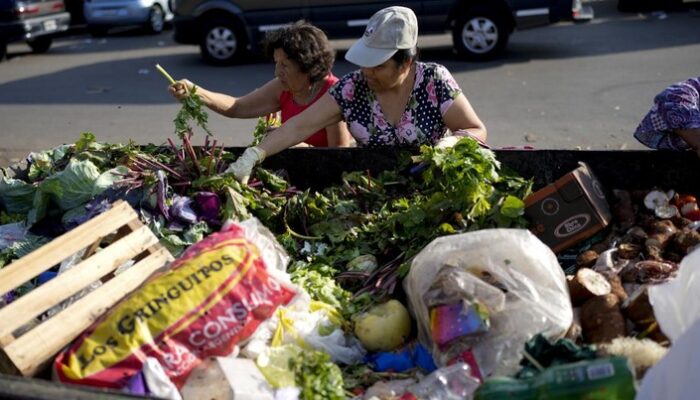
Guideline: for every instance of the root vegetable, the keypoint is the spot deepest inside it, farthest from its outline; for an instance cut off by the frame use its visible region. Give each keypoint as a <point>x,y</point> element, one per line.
<point>655,199</point>
<point>648,271</point>
<point>666,228</point>
<point>586,259</point>
<point>637,307</point>
<point>680,222</point>
<point>604,244</point>
<point>587,284</point>
<point>616,287</point>
<point>662,231</point>
<point>666,212</point>
<point>635,235</point>
<point>628,250</point>
<point>623,210</point>
<point>602,320</point>
<point>684,241</point>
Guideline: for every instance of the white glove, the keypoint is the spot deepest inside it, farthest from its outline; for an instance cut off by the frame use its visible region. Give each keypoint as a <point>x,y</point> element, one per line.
<point>447,142</point>
<point>243,166</point>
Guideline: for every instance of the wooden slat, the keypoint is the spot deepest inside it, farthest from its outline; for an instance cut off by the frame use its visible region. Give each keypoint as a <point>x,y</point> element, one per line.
<point>31,351</point>
<point>6,365</point>
<point>70,282</point>
<point>135,225</point>
<point>64,246</point>
<point>90,250</point>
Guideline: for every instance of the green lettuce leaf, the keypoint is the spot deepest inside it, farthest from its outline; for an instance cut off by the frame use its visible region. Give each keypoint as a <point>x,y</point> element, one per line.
<point>16,196</point>
<point>78,183</point>
<point>44,162</point>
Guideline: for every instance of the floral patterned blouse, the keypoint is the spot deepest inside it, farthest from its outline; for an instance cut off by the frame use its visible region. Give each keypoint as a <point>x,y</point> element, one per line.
<point>433,93</point>
<point>677,107</point>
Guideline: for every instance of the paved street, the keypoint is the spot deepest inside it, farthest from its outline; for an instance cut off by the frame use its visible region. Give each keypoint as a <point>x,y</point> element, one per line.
<point>563,86</point>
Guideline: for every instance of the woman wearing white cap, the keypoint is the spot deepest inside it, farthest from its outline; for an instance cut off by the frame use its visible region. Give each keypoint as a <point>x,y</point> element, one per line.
<point>392,100</point>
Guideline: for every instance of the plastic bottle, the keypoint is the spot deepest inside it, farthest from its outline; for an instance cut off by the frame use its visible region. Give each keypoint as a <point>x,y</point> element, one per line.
<point>599,379</point>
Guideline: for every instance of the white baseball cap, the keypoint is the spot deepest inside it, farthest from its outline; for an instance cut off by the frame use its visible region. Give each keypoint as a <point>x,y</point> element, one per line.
<point>389,30</point>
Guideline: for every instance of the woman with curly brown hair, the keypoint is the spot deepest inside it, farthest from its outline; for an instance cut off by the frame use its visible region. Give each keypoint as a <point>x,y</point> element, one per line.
<point>303,60</point>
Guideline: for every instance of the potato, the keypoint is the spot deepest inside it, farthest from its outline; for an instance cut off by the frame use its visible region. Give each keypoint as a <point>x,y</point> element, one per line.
<point>384,327</point>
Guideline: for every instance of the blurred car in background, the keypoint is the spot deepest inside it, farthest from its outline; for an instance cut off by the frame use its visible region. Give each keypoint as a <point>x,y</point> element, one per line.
<point>35,21</point>
<point>225,29</point>
<point>101,15</point>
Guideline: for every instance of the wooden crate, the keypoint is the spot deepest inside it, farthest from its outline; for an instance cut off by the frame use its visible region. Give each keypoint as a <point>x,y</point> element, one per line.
<point>26,352</point>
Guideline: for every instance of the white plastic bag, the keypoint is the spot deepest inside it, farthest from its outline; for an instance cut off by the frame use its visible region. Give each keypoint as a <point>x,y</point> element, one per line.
<point>273,254</point>
<point>300,323</point>
<point>675,376</point>
<point>677,310</point>
<point>157,380</point>
<point>523,268</point>
<point>675,303</point>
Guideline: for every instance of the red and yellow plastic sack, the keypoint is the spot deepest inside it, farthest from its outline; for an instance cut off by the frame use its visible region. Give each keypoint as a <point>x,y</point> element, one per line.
<point>212,298</point>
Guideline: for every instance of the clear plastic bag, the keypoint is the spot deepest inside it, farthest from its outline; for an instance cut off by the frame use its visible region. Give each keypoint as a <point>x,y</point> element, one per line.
<point>448,383</point>
<point>11,233</point>
<point>487,292</point>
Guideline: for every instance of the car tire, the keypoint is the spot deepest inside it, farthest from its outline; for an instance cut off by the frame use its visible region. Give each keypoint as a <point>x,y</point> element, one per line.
<point>156,20</point>
<point>3,50</point>
<point>481,33</point>
<point>41,44</point>
<point>222,41</point>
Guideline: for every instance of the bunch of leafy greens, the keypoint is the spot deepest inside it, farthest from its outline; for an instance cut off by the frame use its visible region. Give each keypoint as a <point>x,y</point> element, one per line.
<point>391,216</point>
<point>317,376</point>
<point>394,215</point>
<point>192,110</point>
<point>63,178</point>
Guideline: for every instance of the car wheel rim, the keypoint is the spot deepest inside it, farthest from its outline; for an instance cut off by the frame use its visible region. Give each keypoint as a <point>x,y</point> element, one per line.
<point>221,43</point>
<point>157,20</point>
<point>479,35</point>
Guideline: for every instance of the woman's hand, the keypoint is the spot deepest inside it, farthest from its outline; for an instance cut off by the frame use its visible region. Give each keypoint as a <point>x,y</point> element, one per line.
<point>243,166</point>
<point>181,89</point>
<point>692,137</point>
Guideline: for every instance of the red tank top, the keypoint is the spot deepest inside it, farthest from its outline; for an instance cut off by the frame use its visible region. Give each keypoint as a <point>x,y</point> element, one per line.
<point>290,108</point>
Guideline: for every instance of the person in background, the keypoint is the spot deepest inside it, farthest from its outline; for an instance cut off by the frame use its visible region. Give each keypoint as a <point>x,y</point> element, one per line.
<point>392,100</point>
<point>303,61</point>
<point>673,123</point>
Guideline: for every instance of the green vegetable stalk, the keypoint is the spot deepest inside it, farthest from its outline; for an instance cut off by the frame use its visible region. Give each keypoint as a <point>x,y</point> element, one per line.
<point>263,127</point>
<point>192,109</point>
